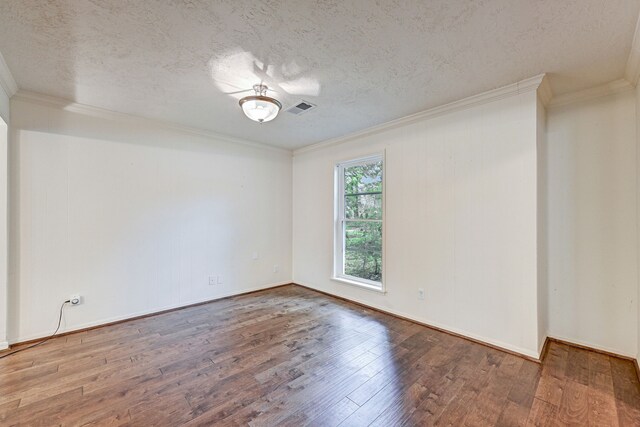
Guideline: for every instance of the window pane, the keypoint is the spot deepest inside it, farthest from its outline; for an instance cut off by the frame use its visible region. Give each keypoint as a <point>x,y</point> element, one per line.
<point>363,179</point>
<point>364,206</point>
<point>363,250</point>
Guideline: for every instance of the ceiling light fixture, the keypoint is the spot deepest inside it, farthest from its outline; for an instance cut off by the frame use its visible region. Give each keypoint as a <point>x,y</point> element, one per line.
<point>260,107</point>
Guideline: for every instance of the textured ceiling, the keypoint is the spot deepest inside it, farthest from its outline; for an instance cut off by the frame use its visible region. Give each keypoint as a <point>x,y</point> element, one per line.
<point>362,62</point>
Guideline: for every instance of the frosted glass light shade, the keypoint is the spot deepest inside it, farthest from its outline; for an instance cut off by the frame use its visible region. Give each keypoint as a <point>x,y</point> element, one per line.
<point>260,109</point>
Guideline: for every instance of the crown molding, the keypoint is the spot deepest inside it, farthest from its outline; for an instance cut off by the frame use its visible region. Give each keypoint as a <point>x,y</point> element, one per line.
<point>610,88</point>
<point>101,113</point>
<point>544,91</point>
<point>523,86</point>
<point>632,70</point>
<point>7,81</point>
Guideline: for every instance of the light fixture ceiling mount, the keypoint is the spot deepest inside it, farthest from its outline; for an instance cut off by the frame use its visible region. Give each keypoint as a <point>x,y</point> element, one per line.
<point>260,107</point>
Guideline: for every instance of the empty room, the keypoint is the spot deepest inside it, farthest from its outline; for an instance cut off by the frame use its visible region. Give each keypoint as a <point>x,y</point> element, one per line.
<point>324,213</point>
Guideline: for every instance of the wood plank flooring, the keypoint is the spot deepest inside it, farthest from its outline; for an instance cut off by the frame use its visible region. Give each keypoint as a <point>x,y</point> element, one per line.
<point>291,357</point>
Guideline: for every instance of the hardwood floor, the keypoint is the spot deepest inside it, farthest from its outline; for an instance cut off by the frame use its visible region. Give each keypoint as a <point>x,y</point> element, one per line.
<point>289,357</point>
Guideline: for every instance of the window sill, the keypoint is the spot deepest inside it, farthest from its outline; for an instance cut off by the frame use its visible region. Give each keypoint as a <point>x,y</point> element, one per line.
<point>362,285</point>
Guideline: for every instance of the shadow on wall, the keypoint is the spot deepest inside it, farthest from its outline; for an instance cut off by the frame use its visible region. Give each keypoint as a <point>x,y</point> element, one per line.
<point>4,307</point>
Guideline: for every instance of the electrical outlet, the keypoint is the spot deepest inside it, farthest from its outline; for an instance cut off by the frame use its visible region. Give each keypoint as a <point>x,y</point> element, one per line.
<point>275,268</point>
<point>75,299</point>
<point>255,256</point>
<point>213,280</point>
<point>220,280</point>
<point>421,294</point>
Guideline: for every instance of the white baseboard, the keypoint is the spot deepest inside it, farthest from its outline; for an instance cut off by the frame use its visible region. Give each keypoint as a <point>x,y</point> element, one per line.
<point>592,345</point>
<point>108,320</point>
<point>4,345</point>
<point>492,342</point>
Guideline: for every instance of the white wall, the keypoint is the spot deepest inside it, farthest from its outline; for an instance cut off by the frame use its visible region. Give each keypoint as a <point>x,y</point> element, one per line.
<point>136,217</point>
<point>4,120</point>
<point>638,213</point>
<point>592,190</point>
<point>543,239</point>
<point>460,221</point>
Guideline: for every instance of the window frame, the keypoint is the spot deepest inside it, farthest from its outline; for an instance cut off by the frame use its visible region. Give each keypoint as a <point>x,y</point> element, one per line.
<point>340,221</point>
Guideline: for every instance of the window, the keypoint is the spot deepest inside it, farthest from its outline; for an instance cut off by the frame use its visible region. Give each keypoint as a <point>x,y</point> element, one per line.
<point>359,222</point>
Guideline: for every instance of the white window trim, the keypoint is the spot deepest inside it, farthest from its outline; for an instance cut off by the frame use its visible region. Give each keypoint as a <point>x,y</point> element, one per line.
<point>338,234</point>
